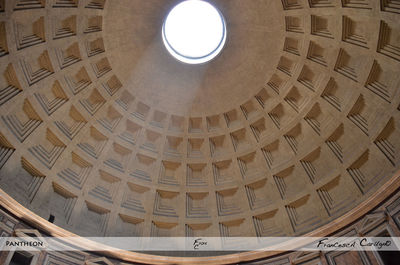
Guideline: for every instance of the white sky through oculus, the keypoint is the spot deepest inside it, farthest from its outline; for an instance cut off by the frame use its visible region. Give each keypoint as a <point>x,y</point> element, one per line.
<point>194,29</point>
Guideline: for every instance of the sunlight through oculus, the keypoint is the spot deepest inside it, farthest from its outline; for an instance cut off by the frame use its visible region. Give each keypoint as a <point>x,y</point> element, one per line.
<point>194,32</point>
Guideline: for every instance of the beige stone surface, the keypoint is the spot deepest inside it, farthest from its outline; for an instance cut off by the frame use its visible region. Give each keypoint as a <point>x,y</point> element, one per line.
<point>295,123</point>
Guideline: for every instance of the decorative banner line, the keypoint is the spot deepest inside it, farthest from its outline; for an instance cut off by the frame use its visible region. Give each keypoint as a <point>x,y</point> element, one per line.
<point>200,243</point>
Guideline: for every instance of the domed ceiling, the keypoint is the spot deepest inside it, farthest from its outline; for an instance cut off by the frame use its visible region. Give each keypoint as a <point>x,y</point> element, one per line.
<point>137,54</point>
<point>295,123</point>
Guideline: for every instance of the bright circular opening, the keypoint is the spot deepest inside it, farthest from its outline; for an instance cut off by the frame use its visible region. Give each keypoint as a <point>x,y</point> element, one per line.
<point>194,32</point>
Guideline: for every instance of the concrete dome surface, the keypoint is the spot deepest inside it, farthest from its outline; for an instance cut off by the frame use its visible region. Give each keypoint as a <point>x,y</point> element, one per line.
<point>293,125</point>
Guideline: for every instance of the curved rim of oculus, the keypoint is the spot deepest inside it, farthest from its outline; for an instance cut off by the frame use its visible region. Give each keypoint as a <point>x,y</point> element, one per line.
<point>194,32</point>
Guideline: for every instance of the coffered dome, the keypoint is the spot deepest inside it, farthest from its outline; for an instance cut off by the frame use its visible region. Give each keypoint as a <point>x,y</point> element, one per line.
<point>294,124</point>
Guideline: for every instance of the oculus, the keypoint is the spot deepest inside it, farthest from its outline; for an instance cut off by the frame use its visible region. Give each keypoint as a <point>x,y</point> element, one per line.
<point>194,32</point>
